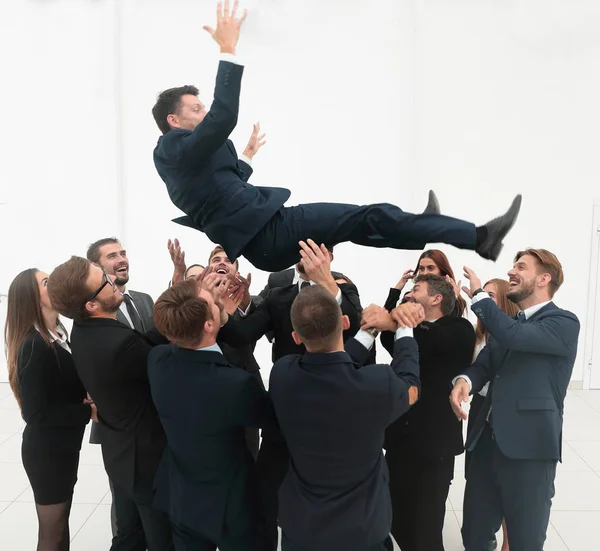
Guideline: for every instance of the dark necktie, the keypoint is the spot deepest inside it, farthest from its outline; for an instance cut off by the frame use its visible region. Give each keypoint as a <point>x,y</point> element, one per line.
<point>135,317</point>
<point>521,318</point>
<point>304,285</point>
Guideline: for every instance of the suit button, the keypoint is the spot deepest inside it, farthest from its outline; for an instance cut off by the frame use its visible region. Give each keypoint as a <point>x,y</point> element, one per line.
<point>497,376</point>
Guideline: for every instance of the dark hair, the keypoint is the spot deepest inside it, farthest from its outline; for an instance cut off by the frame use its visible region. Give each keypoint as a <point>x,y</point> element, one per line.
<point>168,102</point>
<point>23,317</point>
<point>317,318</point>
<point>438,285</point>
<point>180,314</point>
<point>547,263</point>
<point>190,267</point>
<point>68,290</point>
<point>507,306</point>
<point>219,249</point>
<point>443,264</point>
<point>93,252</point>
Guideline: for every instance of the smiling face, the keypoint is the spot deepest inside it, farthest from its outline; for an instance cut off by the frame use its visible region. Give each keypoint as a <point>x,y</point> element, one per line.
<point>222,265</point>
<point>523,279</point>
<point>108,300</point>
<point>113,258</point>
<point>428,266</point>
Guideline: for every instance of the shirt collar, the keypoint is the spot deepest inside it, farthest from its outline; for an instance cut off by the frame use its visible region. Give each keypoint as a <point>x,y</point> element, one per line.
<point>212,348</point>
<point>533,309</point>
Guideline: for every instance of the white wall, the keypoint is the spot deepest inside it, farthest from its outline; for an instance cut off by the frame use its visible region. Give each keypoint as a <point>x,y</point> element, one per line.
<point>361,102</point>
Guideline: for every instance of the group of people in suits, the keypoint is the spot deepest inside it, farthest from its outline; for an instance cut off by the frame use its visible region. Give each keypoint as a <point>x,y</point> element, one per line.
<point>352,452</point>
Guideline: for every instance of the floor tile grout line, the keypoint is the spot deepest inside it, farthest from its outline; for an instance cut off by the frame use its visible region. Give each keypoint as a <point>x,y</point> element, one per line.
<point>558,534</point>
<point>577,454</point>
<point>85,521</point>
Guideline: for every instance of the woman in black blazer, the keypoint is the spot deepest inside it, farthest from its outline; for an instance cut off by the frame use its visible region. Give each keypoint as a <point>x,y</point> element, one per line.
<point>53,404</point>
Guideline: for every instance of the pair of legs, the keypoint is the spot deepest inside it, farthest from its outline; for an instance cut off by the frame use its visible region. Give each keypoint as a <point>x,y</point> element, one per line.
<point>271,468</point>
<point>476,404</point>
<point>382,225</point>
<point>419,487</point>
<point>519,491</point>
<point>139,526</point>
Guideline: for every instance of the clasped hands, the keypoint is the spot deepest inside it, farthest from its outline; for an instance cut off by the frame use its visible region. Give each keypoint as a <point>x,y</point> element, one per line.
<point>409,314</point>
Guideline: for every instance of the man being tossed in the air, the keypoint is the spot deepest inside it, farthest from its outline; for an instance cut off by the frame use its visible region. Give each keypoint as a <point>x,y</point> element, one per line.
<point>207,181</point>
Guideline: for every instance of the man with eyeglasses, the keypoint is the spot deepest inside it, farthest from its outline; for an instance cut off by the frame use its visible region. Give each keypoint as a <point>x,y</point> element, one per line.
<point>111,361</point>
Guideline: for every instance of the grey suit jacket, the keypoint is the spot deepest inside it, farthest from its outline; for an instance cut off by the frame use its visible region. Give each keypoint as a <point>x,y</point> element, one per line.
<point>529,365</point>
<point>145,307</point>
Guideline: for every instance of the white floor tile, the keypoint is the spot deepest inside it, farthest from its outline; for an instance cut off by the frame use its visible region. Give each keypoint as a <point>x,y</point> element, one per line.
<point>589,451</point>
<point>91,454</point>
<point>13,481</point>
<point>11,421</point>
<point>576,491</point>
<point>4,505</point>
<point>95,535</point>
<point>4,436</point>
<point>10,450</point>
<point>92,484</point>
<point>579,530</point>
<point>107,499</point>
<point>571,460</point>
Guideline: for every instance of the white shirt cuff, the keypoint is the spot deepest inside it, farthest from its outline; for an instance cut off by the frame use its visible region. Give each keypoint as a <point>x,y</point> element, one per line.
<point>338,297</point>
<point>246,160</point>
<point>479,296</point>
<point>231,58</point>
<point>366,339</point>
<point>465,378</point>
<point>404,332</point>
<point>244,313</point>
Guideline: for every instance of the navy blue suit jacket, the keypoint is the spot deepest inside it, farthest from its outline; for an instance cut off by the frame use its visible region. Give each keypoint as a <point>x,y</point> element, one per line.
<point>206,479</point>
<point>333,415</point>
<point>529,365</point>
<point>206,180</point>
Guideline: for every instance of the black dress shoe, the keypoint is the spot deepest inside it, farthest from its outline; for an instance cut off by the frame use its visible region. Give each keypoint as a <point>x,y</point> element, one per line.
<point>496,230</point>
<point>433,205</point>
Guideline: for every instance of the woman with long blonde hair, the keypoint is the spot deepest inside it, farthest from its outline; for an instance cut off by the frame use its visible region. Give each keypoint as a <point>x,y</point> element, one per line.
<point>52,400</point>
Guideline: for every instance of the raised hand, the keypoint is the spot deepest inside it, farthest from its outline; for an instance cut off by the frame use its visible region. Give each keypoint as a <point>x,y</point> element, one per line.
<point>242,285</point>
<point>317,265</point>
<point>474,282</point>
<point>404,279</point>
<point>376,317</point>
<point>256,141</point>
<point>227,33</point>
<point>209,281</point>
<point>455,286</point>
<point>409,314</point>
<point>459,395</point>
<point>178,259</point>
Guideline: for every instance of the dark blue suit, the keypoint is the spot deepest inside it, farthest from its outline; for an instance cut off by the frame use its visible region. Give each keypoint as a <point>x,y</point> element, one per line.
<point>206,480</point>
<point>209,184</point>
<point>516,447</point>
<point>333,415</point>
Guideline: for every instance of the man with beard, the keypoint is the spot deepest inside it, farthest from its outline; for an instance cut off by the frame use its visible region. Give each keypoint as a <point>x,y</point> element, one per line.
<point>135,309</point>
<point>421,446</point>
<point>516,438</point>
<point>111,361</point>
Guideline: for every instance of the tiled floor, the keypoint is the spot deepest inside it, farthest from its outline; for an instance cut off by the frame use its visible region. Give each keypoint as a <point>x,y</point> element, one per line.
<point>575,511</point>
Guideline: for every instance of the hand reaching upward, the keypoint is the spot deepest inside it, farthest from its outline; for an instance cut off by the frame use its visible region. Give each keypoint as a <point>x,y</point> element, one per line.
<point>227,33</point>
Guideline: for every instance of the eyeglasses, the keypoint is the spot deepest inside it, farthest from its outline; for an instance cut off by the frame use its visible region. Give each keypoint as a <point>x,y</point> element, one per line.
<point>107,281</point>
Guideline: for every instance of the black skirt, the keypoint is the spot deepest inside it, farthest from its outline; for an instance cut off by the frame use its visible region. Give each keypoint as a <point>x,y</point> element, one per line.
<point>52,474</point>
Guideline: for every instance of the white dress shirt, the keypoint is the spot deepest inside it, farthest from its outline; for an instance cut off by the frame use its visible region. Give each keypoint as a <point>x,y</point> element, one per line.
<point>123,309</point>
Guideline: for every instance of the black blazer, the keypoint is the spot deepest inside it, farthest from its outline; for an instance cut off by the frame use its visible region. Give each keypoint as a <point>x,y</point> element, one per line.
<point>51,397</point>
<point>529,366</point>
<point>333,414</point>
<point>241,356</point>
<point>285,278</point>
<point>273,314</point>
<point>206,480</point>
<point>206,180</point>
<point>111,360</point>
<point>431,428</point>
<point>144,305</point>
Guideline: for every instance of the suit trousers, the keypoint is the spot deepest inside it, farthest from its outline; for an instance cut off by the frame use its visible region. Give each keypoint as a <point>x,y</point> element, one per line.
<point>271,467</point>
<point>382,225</point>
<point>139,526</point>
<point>419,487</point>
<point>520,491</point>
<point>288,545</point>
<point>186,539</point>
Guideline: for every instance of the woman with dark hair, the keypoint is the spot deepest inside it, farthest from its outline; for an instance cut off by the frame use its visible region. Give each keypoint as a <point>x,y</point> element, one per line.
<point>53,403</point>
<point>432,261</point>
<point>497,289</point>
